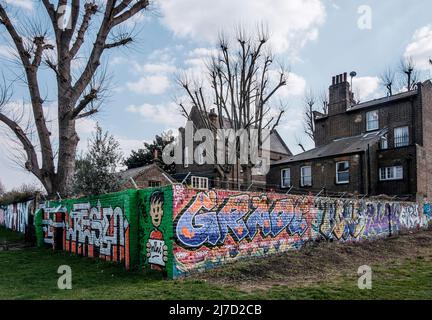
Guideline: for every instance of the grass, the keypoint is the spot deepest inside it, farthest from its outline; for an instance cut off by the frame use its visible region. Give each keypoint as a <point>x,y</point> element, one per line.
<point>9,236</point>
<point>32,274</point>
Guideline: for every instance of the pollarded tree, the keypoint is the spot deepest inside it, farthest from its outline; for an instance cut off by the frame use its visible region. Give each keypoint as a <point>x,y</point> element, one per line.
<point>241,84</point>
<point>92,28</point>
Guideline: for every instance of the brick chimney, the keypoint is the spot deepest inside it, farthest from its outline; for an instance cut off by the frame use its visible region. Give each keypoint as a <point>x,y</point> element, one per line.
<point>340,95</point>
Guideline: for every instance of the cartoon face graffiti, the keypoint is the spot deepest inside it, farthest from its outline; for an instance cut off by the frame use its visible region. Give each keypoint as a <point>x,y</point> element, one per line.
<point>156,208</point>
<point>157,251</point>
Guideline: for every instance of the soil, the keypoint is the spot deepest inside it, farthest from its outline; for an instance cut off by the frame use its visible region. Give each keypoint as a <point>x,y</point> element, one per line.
<point>319,261</point>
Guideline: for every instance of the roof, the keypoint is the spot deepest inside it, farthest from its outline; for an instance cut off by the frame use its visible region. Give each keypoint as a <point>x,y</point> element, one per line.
<point>132,173</point>
<point>383,100</point>
<point>277,144</point>
<point>341,146</point>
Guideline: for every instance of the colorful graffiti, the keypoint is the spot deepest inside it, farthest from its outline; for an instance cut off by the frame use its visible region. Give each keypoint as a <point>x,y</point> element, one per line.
<point>16,216</point>
<point>157,251</point>
<point>216,227</point>
<point>97,232</point>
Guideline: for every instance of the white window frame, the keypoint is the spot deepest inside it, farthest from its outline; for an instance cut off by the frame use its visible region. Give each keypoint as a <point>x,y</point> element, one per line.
<point>283,185</point>
<point>337,173</point>
<point>200,183</point>
<point>384,142</point>
<point>401,136</point>
<point>391,173</point>
<point>368,127</point>
<point>302,176</point>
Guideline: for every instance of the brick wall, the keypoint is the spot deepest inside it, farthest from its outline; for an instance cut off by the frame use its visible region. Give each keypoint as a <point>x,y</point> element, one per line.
<point>217,227</point>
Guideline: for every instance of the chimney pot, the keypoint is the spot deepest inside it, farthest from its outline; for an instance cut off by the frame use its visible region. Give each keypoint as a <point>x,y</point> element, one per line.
<point>345,77</point>
<point>334,80</point>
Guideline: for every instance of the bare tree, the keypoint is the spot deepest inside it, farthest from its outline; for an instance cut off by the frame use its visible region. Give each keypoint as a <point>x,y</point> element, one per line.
<point>309,115</point>
<point>324,100</point>
<point>410,74</point>
<point>2,188</point>
<point>76,94</point>
<point>387,79</point>
<point>240,88</point>
<point>299,142</point>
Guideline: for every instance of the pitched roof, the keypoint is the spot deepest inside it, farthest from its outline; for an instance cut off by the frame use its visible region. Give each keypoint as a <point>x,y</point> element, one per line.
<point>277,144</point>
<point>132,173</point>
<point>341,146</point>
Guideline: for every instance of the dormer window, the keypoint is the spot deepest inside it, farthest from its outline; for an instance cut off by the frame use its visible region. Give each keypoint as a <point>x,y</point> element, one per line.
<point>372,120</point>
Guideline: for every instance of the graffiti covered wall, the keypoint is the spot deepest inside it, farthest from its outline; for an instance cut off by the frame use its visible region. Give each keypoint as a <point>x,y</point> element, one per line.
<point>16,216</point>
<point>103,227</point>
<point>216,227</point>
<point>156,231</point>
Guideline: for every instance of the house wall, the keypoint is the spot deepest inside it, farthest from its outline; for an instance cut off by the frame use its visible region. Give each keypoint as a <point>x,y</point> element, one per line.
<point>425,152</point>
<point>391,115</point>
<point>323,175</point>
<point>143,179</point>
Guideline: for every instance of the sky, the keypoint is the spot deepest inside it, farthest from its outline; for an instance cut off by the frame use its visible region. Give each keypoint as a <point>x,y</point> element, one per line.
<point>317,39</point>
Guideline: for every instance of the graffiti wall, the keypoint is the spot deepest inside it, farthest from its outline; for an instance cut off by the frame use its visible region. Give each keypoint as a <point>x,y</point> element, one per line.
<point>16,216</point>
<point>103,227</point>
<point>216,227</point>
<point>156,231</point>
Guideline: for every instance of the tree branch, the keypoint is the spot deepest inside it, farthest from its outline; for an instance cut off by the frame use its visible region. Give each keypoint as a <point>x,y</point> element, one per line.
<point>137,7</point>
<point>119,43</point>
<point>90,10</point>
<point>88,98</point>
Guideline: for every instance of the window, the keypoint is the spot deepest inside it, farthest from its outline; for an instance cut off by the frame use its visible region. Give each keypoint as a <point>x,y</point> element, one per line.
<point>199,183</point>
<point>286,178</point>
<point>372,120</point>
<point>391,173</point>
<point>306,176</point>
<point>401,137</point>
<point>384,142</point>
<point>342,172</point>
<point>154,184</point>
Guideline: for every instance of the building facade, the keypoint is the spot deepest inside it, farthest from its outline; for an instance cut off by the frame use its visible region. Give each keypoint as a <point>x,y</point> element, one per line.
<point>378,147</point>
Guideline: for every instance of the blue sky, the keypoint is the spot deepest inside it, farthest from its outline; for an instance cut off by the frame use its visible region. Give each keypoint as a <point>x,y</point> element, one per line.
<point>316,38</point>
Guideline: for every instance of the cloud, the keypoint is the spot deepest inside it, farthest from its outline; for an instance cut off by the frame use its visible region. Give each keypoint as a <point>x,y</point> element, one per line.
<point>291,23</point>
<point>157,68</point>
<point>296,86</point>
<point>420,48</point>
<point>25,4</point>
<point>154,84</point>
<point>366,87</point>
<point>165,114</point>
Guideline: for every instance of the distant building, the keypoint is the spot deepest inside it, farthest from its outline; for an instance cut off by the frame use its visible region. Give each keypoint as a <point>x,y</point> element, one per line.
<point>204,176</point>
<point>383,146</point>
<point>150,176</point>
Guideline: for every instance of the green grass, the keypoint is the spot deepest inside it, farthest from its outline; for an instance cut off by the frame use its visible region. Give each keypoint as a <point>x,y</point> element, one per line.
<point>10,236</point>
<point>32,274</point>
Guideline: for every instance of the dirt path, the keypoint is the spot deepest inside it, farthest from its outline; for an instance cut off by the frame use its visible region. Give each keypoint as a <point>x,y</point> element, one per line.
<point>321,261</point>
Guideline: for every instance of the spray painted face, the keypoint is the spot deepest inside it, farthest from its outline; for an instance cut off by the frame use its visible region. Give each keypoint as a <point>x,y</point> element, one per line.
<point>156,213</point>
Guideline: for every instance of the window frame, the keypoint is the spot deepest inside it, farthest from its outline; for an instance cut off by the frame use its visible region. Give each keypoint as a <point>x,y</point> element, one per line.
<point>385,139</point>
<point>157,183</point>
<point>337,172</point>
<point>302,176</point>
<point>393,170</point>
<point>199,183</point>
<point>368,129</point>
<point>401,137</point>
<point>282,178</point>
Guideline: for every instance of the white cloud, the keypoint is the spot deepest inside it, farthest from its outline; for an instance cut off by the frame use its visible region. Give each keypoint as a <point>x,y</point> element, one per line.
<point>165,114</point>
<point>6,52</point>
<point>154,84</point>
<point>25,4</point>
<point>366,87</point>
<point>420,48</point>
<point>291,23</point>
<point>296,86</point>
<point>157,68</point>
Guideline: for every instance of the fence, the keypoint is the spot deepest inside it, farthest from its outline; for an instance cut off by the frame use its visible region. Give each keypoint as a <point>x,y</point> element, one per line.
<point>19,217</point>
<point>179,231</point>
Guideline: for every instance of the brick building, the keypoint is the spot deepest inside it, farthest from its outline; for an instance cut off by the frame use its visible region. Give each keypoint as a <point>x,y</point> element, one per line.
<point>150,176</point>
<point>377,147</point>
<point>204,176</point>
